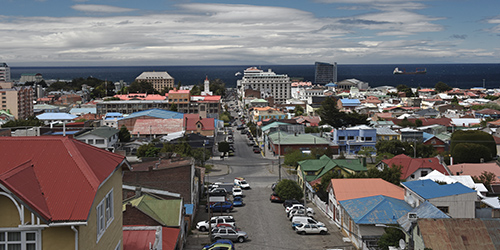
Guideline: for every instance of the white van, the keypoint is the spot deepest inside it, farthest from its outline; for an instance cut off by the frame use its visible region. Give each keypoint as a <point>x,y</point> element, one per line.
<point>297,220</point>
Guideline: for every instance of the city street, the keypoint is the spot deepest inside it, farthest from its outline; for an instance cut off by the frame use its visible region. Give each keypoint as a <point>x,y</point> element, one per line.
<point>265,222</point>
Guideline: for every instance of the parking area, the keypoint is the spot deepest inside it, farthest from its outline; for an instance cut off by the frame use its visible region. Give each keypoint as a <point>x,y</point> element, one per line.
<point>269,228</point>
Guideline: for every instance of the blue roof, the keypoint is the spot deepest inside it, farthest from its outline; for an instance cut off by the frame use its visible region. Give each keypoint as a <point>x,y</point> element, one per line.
<point>378,209</point>
<point>189,209</point>
<point>429,189</point>
<point>350,102</point>
<point>56,116</point>
<point>331,84</point>
<point>157,113</point>
<point>427,136</point>
<point>424,210</point>
<point>114,114</point>
<point>83,110</point>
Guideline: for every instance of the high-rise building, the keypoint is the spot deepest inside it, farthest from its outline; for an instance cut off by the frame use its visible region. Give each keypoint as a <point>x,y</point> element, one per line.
<point>160,80</point>
<point>268,83</point>
<point>18,101</point>
<point>325,73</point>
<point>4,72</point>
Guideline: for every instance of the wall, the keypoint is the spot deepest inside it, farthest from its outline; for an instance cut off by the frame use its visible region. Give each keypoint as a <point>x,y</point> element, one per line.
<point>460,206</point>
<point>113,234</point>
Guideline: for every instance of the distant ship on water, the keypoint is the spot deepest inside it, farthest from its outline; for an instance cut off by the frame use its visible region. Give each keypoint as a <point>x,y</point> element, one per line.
<point>418,71</point>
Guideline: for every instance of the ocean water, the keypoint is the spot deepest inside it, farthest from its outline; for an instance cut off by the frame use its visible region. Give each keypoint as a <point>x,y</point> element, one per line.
<point>455,75</point>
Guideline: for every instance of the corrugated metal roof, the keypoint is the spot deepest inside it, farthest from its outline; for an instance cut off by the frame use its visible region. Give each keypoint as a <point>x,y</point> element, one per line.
<point>166,212</point>
<point>456,234</point>
<point>347,189</point>
<point>157,113</point>
<point>299,139</point>
<point>56,116</point>
<point>103,132</point>
<point>428,189</point>
<point>157,126</point>
<point>376,209</point>
<point>425,210</point>
<point>64,173</point>
<point>138,239</point>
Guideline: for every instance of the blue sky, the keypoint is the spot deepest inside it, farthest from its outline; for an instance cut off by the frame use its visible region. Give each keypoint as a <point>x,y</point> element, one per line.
<point>177,32</point>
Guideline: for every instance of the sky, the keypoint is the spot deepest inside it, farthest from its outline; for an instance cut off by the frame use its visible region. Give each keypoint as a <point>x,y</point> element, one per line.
<point>258,32</point>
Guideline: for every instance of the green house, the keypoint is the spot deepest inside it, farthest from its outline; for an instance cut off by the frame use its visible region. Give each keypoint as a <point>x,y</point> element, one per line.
<point>314,169</point>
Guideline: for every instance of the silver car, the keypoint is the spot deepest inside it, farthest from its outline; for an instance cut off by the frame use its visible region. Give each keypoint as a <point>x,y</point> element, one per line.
<point>311,229</point>
<point>229,234</point>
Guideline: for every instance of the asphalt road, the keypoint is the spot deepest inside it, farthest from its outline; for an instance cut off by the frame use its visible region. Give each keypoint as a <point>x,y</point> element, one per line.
<point>265,222</point>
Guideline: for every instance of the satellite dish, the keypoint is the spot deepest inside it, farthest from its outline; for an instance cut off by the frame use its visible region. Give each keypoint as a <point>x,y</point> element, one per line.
<point>402,244</point>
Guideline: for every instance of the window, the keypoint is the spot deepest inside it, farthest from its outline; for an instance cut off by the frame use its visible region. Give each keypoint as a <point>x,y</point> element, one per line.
<point>90,141</point>
<point>423,173</point>
<point>104,214</point>
<point>443,209</point>
<point>368,139</point>
<point>350,138</point>
<point>341,138</point>
<point>99,141</point>
<point>18,240</point>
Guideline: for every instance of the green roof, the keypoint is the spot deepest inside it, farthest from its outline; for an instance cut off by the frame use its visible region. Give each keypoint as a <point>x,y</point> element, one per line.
<point>258,100</point>
<point>272,125</point>
<point>326,164</point>
<point>292,139</point>
<point>166,212</point>
<point>103,132</point>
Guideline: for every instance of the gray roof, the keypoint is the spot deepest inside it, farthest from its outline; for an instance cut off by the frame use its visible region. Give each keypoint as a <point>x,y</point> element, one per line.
<point>425,210</point>
<point>386,131</point>
<point>103,132</point>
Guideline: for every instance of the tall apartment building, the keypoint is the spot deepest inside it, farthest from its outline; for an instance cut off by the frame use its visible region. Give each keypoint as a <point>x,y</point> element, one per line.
<point>325,73</point>
<point>268,83</point>
<point>160,80</point>
<point>17,100</point>
<point>4,72</point>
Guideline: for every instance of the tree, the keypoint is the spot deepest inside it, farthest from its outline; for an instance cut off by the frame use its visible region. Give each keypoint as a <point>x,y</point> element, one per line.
<point>218,87</point>
<point>442,87</point>
<point>31,121</point>
<point>173,107</point>
<point>321,188</point>
<point>124,134</point>
<point>223,147</point>
<point>147,150</point>
<point>389,174</point>
<point>331,115</point>
<point>407,90</point>
<point>292,158</point>
<point>477,145</point>
<point>486,178</point>
<point>367,152</point>
<point>288,190</point>
<point>418,123</point>
<point>299,110</point>
<point>391,237</point>
<point>201,155</point>
<point>195,90</point>
<point>141,87</point>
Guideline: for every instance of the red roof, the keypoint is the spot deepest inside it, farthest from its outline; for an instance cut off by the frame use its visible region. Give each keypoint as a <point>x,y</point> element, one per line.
<point>411,165</point>
<point>57,177</point>
<point>156,126</point>
<point>138,239</point>
<point>190,120</point>
<point>170,237</point>
<point>425,121</point>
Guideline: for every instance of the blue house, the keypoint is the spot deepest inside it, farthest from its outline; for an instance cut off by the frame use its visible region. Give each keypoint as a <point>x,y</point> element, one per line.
<point>364,216</point>
<point>353,139</point>
<point>348,104</point>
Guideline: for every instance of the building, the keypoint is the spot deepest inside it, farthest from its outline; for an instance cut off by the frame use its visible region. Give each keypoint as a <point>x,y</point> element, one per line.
<point>17,100</point>
<point>314,169</point>
<point>281,143</point>
<point>325,73</point>
<point>352,140</point>
<point>4,72</point>
<point>59,194</point>
<point>269,83</point>
<point>413,168</point>
<point>159,80</point>
<point>31,77</point>
<point>56,118</point>
<point>101,137</point>
<point>455,200</point>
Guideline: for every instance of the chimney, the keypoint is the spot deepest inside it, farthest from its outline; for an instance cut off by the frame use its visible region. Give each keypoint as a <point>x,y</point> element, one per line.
<point>138,191</point>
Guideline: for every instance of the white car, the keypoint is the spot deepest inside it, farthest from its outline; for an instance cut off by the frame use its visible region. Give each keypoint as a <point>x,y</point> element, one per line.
<point>214,221</point>
<point>311,229</point>
<point>241,182</point>
<point>310,211</point>
<point>237,192</point>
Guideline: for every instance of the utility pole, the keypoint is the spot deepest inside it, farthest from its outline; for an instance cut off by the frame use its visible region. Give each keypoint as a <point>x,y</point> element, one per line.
<point>279,153</point>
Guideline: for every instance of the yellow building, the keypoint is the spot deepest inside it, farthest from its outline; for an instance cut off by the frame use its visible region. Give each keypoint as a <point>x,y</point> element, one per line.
<point>59,193</point>
<point>159,80</point>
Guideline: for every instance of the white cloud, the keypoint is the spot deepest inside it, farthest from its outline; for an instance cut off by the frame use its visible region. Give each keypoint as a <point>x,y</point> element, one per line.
<point>100,8</point>
<point>207,34</point>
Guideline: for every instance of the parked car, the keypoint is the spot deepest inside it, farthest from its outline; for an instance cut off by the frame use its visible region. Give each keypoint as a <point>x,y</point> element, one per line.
<point>219,245</point>
<point>237,191</point>
<point>297,220</point>
<point>299,206</point>
<point>238,201</point>
<point>256,149</point>
<point>218,192</point>
<point>225,206</point>
<point>241,182</point>
<point>204,224</point>
<point>229,234</point>
<point>251,143</point>
<point>296,212</point>
<point>226,226</point>
<point>288,203</point>
<point>275,198</point>
<point>310,229</point>
<point>273,186</point>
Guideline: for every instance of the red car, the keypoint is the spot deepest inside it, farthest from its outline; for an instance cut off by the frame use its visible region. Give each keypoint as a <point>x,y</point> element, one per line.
<point>275,198</point>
